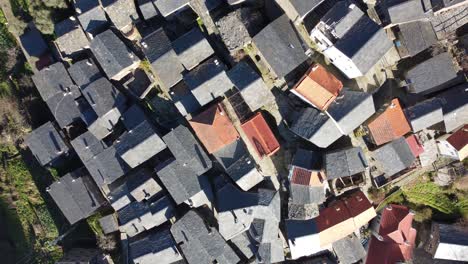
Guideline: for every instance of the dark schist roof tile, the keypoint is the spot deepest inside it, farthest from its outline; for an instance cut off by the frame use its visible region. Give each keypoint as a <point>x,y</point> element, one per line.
<point>406,11</point>
<point>454,106</point>
<point>133,117</point>
<point>93,19</point>
<point>425,114</point>
<point>64,107</point>
<point>109,224</point>
<point>106,167</point>
<point>306,159</point>
<point>84,72</point>
<point>417,36</point>
<point>52,80</point>
<point>46,144</point>
<point>349,250</point>
<point>192,48</point>
<point>122,13</point>
<point>164,61</point>
<point>87,146</point>
<point>153,246</point>
<point>186,149</point>
<point>345,162</point>
<point>342,17</point>
<point>304,7</point>
<point>394,156</point>
<point>111,53</point>
<point>147,9</point>
<point>281,46</point>
<point>103,96</point>
<point>167,7</point>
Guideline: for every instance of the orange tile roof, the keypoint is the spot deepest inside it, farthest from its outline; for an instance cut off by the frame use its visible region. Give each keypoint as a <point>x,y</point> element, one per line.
<point>307,177</point>
<point>459,139</point>
<point>389,125</point>
<point>319,87</point>
<point>214,128</point>
<point>260,135</point>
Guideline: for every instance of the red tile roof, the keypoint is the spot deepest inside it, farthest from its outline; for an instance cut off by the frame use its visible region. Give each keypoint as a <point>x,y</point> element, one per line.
<point>398,237</point>
<point>389,125</point>
<point>307,177</point>
<point>214,128</point>
<point>260,135</point>
<point>318,86</point>
<point>415,146</point>
<point>459,139</point>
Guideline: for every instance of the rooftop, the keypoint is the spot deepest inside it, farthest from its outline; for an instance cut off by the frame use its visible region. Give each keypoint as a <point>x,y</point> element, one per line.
<point>424,114</point>
<point>454,107</point>
<point>341,17</point>
<point>417,36</point>
<point>345,162</point>
<point>153,247</point>
<point>52,80</point>
<point>192,48</point>
<point>394,157</point>
<point>260,135</point>
<point>84,72</point>
<point>459,139</point>
<point>46,144</point>
<point>70,37</point>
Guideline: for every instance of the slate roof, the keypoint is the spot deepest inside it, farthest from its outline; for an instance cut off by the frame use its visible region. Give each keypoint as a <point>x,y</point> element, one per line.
<point>318,87</point>
<point>112,54</point>
<point>139,144</point>
<point>451,235</point>
<point>70,37</point>
<point>87,146</point>
<point>109,224</point>
<point>91,16</point>
<point>260,135</point>
<point>417,36</point>
<point>389,124</point>
<point>394,157</point>
<point>141,185</point>
<point>365,43</point>
<point>106,167</point>
<point>315,126</point>
<point>405,11</point>
<point>201,243</point>
<point>239,165</point>
<point>424,114</point>
<point>303,194</point>
<point>455,106</point>
<point>192,48</point>
<point>349,250</point>
<point>302,237</point>
<point>250,85</point>
<point>187,150</point>
<point>432,75</point>
<point>76,195</point>
<point>304,7</point>
<point>133,116</point>
<point>214,128</point>
<point>164,61</point>
<point>64,107</point>
<point>147,9</point>
<point>103,96</point>
<point>341,17</point>
<point>181,181</point>
<point>140,83</point>
<point>345,162</point>
<point>52,80</point>
<point>351,109</point>
<point>167,7</point>
<point>208,81</point>
<point>281,46</point>
<point>122,13</point>
<point>155,246</point>
<point>84,72</point>
<point>183,99</point>
<point>46,144</point>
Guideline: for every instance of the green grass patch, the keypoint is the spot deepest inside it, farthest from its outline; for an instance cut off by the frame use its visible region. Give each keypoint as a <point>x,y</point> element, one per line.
<point>93,222</point>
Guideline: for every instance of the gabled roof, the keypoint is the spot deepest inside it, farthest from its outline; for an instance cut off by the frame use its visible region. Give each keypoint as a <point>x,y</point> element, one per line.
<point>453,242</point>
<point>181,181</point>
<point>76,195</point>
<point>417,36</point>
<point>239,165</point>
<point>318,87</point>
<point>281,46</point>
<point>84,72</point>
<point>308,160</point>
<point>349,250</point>
<point>394,157</point>
<point>405,11</point>
<point>52,80</point>
<point>70,37</point>
<point>201,243</point>
<point>133,116</point>
<point>304,7</point>
<point>365,43</point>
<point>122,13</point>
<point>459,139</point>
<point>341,17</point>
<point>303,238</point>
<point>106,167</point>
<point>305,194</point>
<point>351,109</point>
<point>87,146</point>
<point>103,96</point>
<point>112,54</point>
<point>46,144</point>
<point>316,127</point>
<point>64,106</point>
<point>91,16</point>
<point>250,85</point>
<point>415,146</point>
<point>147,9</point>
<point>109,224</point>
<point>192,48</point>
<point>208,81</point>
<point>187,150</point>
<point>214,128</point>
<point>389,124</point>
<point>345,162</point>
<point>397,237</point>
<point>432,75</point>
<point>168,7</point>
<point>139,144</point>
<point>141,185</point>
<point>154,247</point>
<point>454,106</point>
<point>424,114</point>
<point>183,99</point>
<point>260,135</point>
<point>164,61</point>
